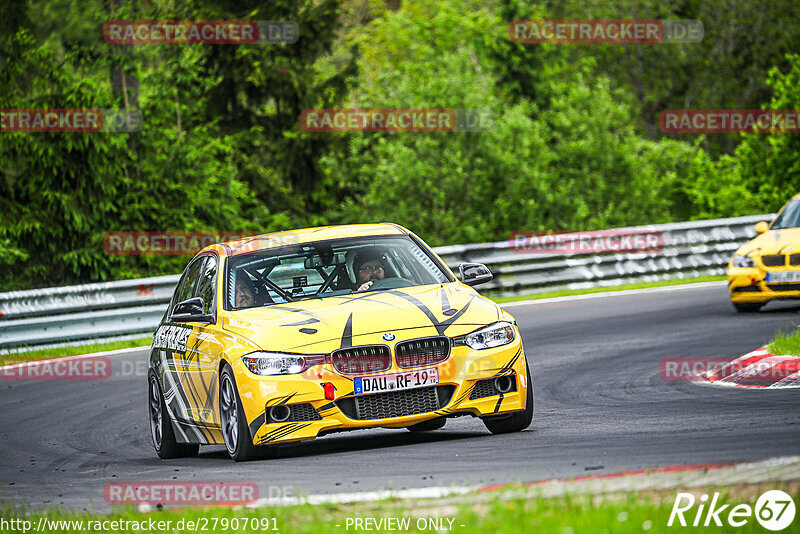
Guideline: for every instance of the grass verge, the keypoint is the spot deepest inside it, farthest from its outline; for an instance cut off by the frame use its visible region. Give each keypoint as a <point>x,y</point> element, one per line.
<point>786,343</point>
<point>45,354</point>
<point>503,512</point>
<point>638,285</point>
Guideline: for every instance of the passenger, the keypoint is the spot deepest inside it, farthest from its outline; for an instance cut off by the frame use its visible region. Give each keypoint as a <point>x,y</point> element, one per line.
<point>245,294</point>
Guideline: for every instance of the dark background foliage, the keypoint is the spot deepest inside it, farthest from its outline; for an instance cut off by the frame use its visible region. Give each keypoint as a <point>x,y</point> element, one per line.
<point>575,142</point>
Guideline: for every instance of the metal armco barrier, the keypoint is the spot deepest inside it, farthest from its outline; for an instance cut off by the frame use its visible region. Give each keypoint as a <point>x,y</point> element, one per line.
<point>104,310</point>
<point>690,249</point>
<point>91,311</point>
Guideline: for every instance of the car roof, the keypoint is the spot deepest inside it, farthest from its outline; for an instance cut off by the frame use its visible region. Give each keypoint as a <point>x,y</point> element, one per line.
<point>308,235</point>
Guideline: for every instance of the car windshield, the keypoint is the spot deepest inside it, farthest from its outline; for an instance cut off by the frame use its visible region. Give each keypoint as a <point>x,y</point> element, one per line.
<point>328,268</point>
<point>789,217</point>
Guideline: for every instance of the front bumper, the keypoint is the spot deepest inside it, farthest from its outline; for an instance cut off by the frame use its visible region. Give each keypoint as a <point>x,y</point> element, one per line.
<point>748,285</point>
<point>460,392</point>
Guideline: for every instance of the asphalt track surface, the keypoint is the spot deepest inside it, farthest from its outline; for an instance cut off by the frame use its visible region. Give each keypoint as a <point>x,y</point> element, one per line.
<point>601,407</point>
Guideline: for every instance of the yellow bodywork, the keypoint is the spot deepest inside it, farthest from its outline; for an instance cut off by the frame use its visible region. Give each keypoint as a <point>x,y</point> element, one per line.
<point>749,284</point>
<point>190,375</point>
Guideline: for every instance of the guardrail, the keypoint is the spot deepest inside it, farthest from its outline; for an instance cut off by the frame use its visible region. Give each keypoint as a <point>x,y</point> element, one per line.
<point>131,308</point>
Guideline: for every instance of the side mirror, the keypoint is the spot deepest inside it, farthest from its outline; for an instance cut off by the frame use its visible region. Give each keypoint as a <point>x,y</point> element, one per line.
<point>191,310</point>
<point>761,227</point>
<point>473,274</point>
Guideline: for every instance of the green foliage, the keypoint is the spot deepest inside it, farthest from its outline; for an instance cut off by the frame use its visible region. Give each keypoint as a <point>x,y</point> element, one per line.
<point>727,69</point>
<point>768,164</point>
<point>56,188</point>
<point>62,192</point>
<point>574,143</point>
<point>764,171</point>
<point>576,163</point>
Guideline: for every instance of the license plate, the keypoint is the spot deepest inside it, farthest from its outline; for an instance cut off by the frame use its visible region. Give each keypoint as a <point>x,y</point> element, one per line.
<point>784,276</point>
<point>364,385</point>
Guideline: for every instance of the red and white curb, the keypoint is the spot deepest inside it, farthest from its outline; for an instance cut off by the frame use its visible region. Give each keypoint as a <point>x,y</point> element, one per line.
<point>757,369</point>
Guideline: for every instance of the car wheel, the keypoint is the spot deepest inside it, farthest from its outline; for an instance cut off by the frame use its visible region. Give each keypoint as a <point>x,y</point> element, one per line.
<point>748,307</point>
<point>431,424</point>
<point>234,424</point>
<point>516,421</point>
<point>161,426</point>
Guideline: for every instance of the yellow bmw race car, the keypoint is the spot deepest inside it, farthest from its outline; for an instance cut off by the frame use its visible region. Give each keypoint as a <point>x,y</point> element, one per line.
<point>293,335</point>
<point>768,267</point>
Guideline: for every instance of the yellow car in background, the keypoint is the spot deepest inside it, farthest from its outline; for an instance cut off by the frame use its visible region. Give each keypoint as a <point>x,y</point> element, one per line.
<point>768,266</point>
<point>293,335</point>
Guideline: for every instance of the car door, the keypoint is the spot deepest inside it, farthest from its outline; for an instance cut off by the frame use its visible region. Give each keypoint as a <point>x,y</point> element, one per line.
<point>203,354</point>
<point>190,378</point>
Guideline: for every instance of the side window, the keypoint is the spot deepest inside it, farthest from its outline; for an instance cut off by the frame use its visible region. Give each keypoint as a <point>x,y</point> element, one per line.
<point>208,285</point>
<point>190,279</point>
<point>177,294</point>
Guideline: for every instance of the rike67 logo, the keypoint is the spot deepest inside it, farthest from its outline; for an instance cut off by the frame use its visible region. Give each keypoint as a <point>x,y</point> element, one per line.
<point>774,510</point>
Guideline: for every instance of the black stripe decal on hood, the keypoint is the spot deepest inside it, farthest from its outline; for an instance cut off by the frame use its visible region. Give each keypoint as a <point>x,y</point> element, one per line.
<point>455,317</point>
<point>440,326</point>
<point>446,309</point>
<point>424,309</point>
<point>347,335</point>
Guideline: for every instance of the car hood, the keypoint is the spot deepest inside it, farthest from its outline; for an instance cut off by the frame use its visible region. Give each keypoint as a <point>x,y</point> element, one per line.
<point>323,325</point>
<point>773,241</point>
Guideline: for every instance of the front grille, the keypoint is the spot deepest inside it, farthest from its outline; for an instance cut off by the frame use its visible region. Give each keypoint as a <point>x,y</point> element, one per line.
<point>485,388</point>
<point>794,259</point>
<point>359,360</point>
<point>421,352</point>
<point>396,403</point>
<point>784,287</point>
<point>773,260</point>
<point>303,412</point>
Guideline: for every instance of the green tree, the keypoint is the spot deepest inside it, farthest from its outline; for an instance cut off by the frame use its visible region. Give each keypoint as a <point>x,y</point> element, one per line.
<point>574,163</point>
<point>764,171</point>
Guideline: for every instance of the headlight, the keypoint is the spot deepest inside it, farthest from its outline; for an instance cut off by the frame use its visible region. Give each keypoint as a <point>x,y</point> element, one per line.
<point>279,363</point>
<point>742,261</point>
<point>494,335</point>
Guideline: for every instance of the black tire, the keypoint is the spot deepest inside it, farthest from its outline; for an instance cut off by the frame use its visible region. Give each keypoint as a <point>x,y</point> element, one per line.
<point>161,430</point>
<point>516,421</point>
<point>236,433</point>
<point>748,307</point>
<point>430,424</point>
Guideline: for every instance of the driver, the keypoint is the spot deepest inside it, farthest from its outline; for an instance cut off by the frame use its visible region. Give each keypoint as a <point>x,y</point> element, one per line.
<point>368,266</point>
